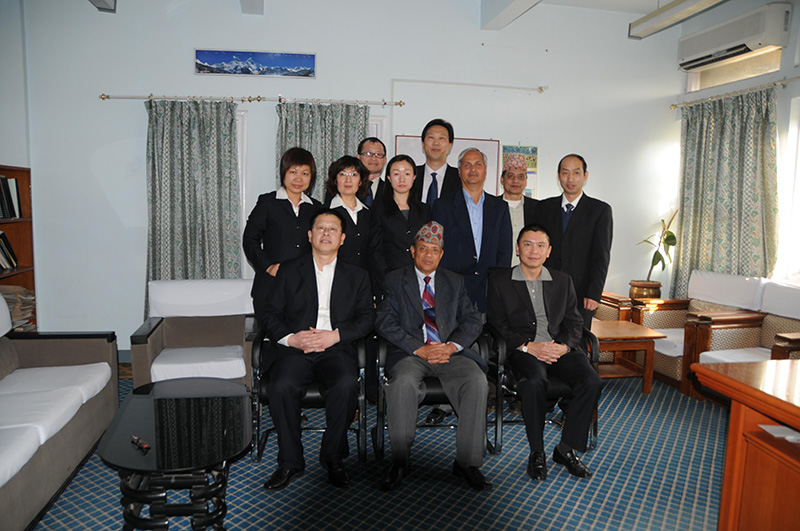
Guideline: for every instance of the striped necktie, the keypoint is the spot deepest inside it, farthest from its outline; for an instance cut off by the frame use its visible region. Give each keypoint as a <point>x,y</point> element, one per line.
<point>429,309</point>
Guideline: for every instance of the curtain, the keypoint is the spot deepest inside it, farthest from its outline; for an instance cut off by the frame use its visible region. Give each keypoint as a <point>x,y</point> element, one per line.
<point>729,194</point>
<point>328,131</point>
<point>193,194</point>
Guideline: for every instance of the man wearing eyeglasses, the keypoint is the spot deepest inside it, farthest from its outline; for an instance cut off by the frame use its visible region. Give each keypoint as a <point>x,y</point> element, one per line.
<point>372,154</point>
<point>522,209</point>
<point>318,307</point>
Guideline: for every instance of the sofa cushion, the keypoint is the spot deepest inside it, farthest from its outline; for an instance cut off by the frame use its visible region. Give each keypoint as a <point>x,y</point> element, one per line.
<point>672,345</point>
<point>782,299</point>
<point>9,361</point>
<point>731,290</point>
<point>88,379</point>
<point>47,411</point>
<point>737,355</point>
<point>193,298</point>
<point>211,362</point>
<point>17,446</point>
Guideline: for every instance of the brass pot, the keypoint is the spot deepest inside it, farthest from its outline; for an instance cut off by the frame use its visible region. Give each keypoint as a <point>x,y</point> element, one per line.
<point>645,289</point>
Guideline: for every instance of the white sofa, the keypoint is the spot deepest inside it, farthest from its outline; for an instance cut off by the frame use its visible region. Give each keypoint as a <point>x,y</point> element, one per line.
<point>196,328</point>
<point>741,340</point>
<point>708,292</point>
<point>58,394</point>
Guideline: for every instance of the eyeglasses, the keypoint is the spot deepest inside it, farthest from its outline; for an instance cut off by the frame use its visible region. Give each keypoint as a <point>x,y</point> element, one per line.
<point>348,174</point>
<point>329,230</point>
<point>376,154</point>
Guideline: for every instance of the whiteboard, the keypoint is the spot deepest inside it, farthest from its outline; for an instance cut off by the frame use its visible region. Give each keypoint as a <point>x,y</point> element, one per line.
<point>412,146</point>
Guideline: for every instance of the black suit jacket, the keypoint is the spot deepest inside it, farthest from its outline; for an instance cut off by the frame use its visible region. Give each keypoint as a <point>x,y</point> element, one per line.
<point>393,235</point>
<point>293,303</point>
<point>584,250</point>
<point>273,234</point>
<point>509,309</point>
<point>357,247</point>
<point>447,186</point>
<point>400,318</point>
<point>460,255</point>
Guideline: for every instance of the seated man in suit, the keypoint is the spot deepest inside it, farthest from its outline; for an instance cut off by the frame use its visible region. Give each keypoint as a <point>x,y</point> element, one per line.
<point>318,307</point>
<point>430,324</point>
<point>536,310</point>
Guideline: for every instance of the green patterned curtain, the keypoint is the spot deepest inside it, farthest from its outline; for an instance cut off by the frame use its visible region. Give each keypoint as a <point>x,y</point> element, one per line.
<point>729,188</point>
<point>328,131</point>
<point>193,194</point>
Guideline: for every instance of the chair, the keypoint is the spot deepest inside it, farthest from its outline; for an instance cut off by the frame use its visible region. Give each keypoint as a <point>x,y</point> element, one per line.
<point>196,328</point>
<point>434,395</point>
<point>313,398</point>
<point>557,389</point>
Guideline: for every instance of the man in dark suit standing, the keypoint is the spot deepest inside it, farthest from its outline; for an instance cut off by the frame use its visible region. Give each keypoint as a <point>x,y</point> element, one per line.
<point>580,230</point>
<point>521,209</point>
<point>436,178</point>
<point>477,227</point>
<point>318,307</point>
<point>535,309</point>
<point>430,324</point>
<point>372,154</point>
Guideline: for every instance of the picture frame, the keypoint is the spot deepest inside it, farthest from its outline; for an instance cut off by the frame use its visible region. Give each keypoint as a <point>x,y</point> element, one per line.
<point>253,63</point>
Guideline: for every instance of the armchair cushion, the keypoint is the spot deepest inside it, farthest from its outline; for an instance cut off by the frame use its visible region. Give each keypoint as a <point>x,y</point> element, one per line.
<point>730,290</point>
<point>195,298</point>
<point>211,362</point>
<point>672,345</point>
<point>737,355</point>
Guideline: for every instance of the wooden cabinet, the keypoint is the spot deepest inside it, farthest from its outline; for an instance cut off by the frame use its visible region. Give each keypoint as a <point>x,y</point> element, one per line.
<point>19,232</point>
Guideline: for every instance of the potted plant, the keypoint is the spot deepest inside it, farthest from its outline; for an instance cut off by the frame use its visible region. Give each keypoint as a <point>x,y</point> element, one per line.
<point>666,239</point>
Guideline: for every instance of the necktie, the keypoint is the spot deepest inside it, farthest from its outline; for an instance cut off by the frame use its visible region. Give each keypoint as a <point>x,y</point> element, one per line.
<point>433,190</point>
<point>566,214</point>
<point>368,199</point>
<point>429,309</point>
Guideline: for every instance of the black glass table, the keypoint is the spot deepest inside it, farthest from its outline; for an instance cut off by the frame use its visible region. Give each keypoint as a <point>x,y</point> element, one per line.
<point>175,439</point>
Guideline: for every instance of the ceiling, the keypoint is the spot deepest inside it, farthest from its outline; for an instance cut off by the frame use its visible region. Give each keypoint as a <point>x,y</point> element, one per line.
<point>640,7</point>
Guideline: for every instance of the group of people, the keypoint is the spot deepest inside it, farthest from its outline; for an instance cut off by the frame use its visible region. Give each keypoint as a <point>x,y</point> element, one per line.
<point>422,256</point>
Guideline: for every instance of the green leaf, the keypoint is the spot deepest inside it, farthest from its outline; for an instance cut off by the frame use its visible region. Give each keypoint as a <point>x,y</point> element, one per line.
<point>670,238</point>
<point>658,258</point>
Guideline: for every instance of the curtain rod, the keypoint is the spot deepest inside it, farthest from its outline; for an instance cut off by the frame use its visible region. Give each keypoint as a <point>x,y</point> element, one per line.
<point>781,84</point>
<point>250,99</point>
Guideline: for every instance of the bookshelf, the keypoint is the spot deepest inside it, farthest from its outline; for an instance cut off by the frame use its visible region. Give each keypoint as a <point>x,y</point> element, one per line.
<point>19,232</point>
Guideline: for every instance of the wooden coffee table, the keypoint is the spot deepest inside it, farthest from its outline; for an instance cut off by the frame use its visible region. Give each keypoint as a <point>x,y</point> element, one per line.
<point>624,338</point>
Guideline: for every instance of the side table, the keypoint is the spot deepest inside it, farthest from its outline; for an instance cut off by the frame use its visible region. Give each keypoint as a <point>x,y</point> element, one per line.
<point>178,436</point>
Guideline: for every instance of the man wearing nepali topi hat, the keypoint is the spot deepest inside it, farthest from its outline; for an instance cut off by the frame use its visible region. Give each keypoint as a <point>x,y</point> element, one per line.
<point>430,323</point>
<point>522,209</point>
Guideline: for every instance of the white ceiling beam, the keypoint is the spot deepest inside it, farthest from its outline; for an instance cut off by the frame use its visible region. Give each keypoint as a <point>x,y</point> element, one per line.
<point>669,15</point>
<point>252,7</point>
<point>497,14</point>
<point>106,6</point>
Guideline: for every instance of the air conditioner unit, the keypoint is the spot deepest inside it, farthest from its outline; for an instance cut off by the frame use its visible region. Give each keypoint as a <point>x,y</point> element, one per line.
<point>758,31</point>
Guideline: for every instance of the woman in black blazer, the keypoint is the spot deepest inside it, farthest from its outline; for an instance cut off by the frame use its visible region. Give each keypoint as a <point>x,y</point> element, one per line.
<point>347,185</point>
<point>398,216</point>
<point>277,228</point>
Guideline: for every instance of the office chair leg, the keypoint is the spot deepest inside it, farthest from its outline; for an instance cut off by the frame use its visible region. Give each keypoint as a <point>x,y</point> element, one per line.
<point>262,442</point>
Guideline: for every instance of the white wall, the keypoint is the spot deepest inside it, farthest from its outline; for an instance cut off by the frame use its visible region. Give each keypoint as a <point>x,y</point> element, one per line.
<point>13,102</point>
<point>608,99</point>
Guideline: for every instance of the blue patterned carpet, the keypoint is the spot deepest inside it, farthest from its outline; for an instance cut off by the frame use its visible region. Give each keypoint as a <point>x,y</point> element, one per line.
<point>658,465</point>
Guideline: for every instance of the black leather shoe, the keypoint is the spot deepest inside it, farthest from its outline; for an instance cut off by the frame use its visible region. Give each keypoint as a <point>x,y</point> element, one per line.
<point>337,474</point>
<point>472,475</point>
<point>573,463</point>
<point>436,416</point>
<point>281,478</point>
<point>395,477</point>
<point>537,466</point>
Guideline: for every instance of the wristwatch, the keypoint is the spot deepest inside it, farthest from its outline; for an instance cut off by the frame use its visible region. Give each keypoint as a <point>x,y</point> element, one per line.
<point>524,348</point>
